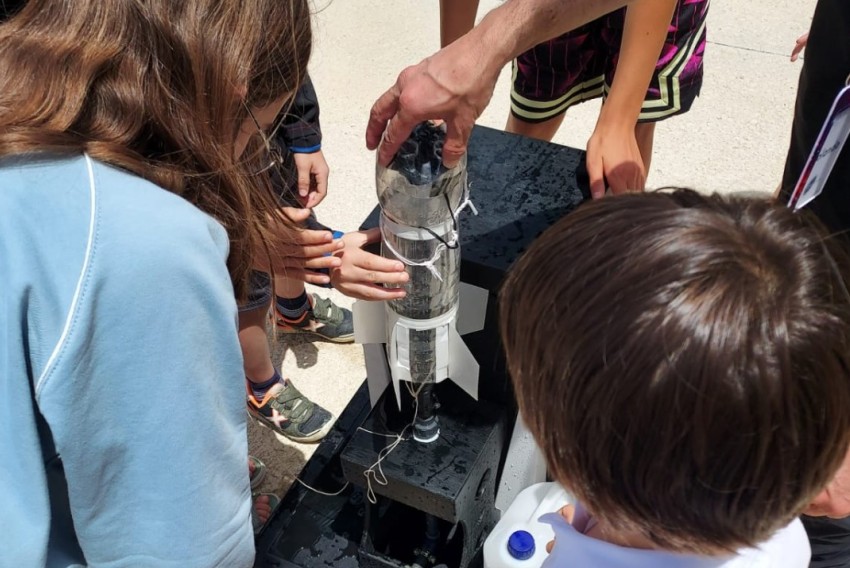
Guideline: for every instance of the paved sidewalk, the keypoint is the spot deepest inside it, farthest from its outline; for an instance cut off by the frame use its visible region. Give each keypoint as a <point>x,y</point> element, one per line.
<point>734,138</point>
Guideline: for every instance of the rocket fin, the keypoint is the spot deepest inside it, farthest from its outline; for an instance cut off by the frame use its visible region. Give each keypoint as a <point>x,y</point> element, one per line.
<point>396,369</point>
<point>472,308</point>
<point>463,368</point>
<point>397,389</point>
<point>370,322</point>
<point>377,371</point>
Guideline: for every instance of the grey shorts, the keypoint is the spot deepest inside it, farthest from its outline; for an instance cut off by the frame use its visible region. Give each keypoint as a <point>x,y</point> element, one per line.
<point>259,292</point>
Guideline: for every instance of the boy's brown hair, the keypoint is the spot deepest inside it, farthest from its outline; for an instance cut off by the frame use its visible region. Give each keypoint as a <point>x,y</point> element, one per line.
<point>682,361</point>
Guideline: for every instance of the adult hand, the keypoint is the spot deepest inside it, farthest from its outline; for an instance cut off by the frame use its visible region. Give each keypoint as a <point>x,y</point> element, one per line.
<point>296,254</point>
<point>834,500</point>
<point>361,273</point>
<point>454,85</point>
<point>312,177</point>
<point>799,46</point>
<point>613,156</point>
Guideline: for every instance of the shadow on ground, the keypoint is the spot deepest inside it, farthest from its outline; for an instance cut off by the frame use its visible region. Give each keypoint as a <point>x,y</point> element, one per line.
<point>300,346</point>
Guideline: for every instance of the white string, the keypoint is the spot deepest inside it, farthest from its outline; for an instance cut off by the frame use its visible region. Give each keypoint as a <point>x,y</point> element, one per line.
<point>376,471</point>
<point>344,487</point>
<point>378,433</point>
<point>429,264</point>
<point>467,202</point>
<point>446,244</point>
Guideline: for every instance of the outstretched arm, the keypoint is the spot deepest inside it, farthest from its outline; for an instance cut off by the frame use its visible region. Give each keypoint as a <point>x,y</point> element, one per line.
<point>612,151</point>
<point>456,83</point>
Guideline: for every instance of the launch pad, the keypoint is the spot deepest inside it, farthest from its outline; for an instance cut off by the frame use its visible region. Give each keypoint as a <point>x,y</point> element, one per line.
<point>447,488</point>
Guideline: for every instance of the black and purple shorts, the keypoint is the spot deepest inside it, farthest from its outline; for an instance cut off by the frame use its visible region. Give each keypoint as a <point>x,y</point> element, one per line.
<point>580,65</point>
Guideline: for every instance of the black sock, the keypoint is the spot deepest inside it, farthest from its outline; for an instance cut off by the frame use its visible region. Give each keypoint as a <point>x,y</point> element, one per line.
<point>293,308</point>
<point>259,390</point>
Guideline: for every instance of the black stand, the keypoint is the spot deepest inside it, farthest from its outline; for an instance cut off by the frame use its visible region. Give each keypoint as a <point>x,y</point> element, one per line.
<point>437,503</point>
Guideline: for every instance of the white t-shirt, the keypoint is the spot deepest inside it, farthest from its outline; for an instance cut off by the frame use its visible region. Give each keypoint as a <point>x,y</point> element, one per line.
<point>788,548</point>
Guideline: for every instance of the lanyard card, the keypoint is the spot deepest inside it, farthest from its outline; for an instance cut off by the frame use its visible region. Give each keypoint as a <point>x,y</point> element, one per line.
<point>828,145</point>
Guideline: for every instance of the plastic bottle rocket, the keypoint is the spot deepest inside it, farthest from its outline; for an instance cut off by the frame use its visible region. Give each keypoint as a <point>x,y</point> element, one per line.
<point>420,203</point>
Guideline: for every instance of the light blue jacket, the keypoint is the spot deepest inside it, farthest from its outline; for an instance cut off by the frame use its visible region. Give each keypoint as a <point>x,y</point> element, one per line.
<point>118,326</point>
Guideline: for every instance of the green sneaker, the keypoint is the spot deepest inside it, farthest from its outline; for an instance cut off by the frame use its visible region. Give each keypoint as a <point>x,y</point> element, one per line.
<point>324,318</point>
<point>291,414</point>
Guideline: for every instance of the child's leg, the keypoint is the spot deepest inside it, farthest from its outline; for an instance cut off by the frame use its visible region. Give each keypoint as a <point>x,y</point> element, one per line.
<point>645,136</point>
<point>456,18</point>
<point>298,311</point>
<point>273,400</point>
<point>254,341</point>
<point>541,130</point>
<point>289,287</point>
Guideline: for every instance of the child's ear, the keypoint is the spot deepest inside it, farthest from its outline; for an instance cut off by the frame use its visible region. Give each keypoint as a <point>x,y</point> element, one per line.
<point>242,91</point>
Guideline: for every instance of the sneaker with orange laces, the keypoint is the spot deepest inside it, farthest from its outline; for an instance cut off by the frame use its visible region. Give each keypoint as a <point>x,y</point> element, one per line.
<point>323,318</point>
<point>289,413</point>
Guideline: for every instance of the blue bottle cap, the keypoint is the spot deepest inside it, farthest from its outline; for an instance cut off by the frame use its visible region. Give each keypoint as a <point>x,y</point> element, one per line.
<point>521,545</point>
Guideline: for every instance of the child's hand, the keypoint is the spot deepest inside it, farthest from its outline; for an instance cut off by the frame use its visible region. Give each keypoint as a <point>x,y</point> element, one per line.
<point>298,255</point>
<point>361,273</point>
<point>613,157</point>
<point>802,41</point>
<point>568,512</point>
<point>312,178</point>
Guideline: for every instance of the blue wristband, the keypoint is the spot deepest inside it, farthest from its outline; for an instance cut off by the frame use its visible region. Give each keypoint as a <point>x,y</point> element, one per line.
<point>305,149</point>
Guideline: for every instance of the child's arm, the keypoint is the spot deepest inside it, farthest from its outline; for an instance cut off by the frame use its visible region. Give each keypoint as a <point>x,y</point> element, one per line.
<point>612,151</point>
<point>362,274</point>
<point>301,133</point>
<point>313,174</point>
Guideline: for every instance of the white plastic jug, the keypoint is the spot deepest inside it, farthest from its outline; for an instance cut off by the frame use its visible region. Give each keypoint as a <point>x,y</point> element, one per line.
<point>519,539</point>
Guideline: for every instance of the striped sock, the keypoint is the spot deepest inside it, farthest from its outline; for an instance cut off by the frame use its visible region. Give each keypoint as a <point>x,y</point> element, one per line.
<point>293,308</point>
<point>259,390</point>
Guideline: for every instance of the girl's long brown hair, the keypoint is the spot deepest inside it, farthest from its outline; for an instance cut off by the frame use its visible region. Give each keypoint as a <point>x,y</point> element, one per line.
<point>156,87</point>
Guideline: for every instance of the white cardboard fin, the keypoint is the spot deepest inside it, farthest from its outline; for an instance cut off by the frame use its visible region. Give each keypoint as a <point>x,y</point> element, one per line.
<point>370,322</point>
<point>397,389</point>
<point>377,371</point>
<point>463,368</point>
<point>472,308</point>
